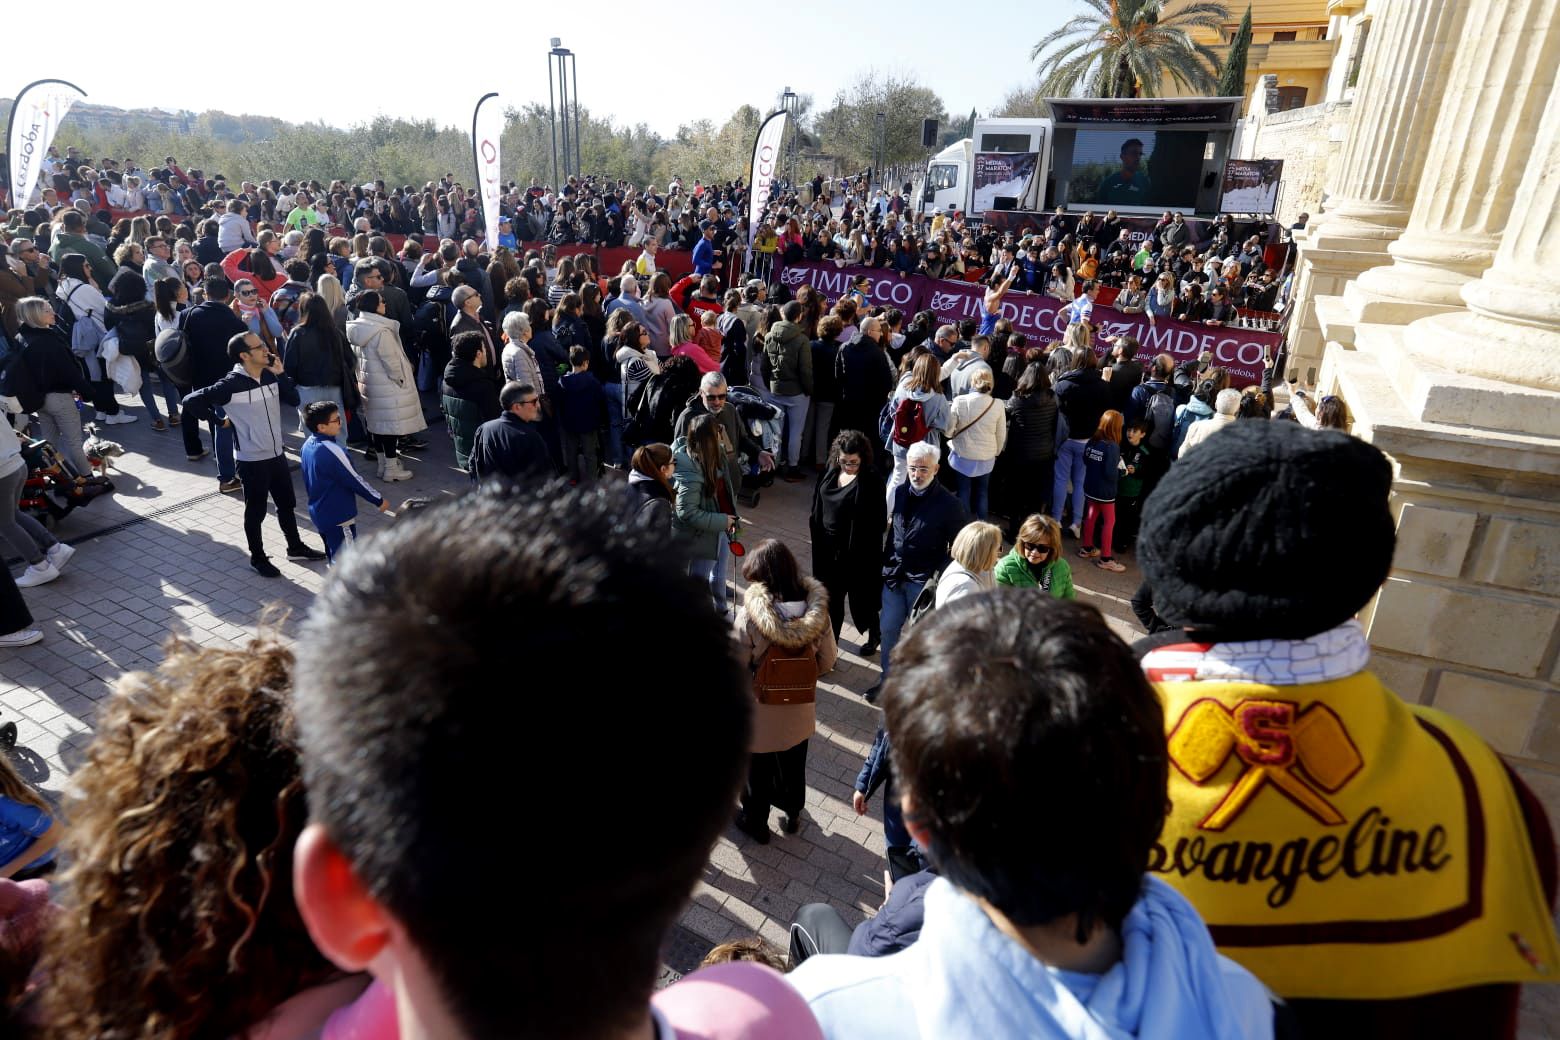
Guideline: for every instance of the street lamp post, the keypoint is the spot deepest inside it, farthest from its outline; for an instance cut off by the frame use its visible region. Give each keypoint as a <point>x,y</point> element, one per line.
<point>790,101</point>
<point>564,97</point>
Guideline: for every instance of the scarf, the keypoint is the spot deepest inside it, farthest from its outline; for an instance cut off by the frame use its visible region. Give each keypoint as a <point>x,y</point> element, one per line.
<point>1341,843</point>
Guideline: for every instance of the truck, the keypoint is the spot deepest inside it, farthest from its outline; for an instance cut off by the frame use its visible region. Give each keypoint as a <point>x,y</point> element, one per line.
<point>991,169</point>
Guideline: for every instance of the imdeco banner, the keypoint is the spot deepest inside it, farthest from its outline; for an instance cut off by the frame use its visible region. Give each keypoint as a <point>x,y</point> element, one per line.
<point>766,163</point>
<point>35,118</point>
<point>487,126</point>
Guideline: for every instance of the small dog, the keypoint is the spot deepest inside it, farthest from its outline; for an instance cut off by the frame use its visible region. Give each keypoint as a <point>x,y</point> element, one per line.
<point>100,451</point>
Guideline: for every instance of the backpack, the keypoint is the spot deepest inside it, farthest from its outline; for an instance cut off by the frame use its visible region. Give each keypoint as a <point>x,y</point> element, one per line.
<point>786,675</point>
<point>173,354</point>
<point>908,425</point>
<point>1161,418</point>
<point>16,380</point>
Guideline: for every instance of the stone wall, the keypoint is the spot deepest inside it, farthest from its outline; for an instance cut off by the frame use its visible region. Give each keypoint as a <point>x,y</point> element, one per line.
<point>1308,140</point>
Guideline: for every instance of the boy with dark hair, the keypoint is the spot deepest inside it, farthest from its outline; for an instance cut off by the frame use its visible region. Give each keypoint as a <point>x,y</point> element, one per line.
<point>400,871</point>
<point>1032,764</point>
<point>582,415</point>
<point>332,484</point>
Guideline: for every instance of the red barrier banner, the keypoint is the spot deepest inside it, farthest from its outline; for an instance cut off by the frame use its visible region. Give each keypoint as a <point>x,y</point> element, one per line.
<point>1042,318</point>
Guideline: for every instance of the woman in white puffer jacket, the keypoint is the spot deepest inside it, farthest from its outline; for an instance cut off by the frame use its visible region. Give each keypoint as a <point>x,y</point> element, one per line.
<point>391,409</point>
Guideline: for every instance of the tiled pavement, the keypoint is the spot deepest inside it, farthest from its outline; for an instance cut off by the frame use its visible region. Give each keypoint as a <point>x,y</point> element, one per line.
<point>166,553</point>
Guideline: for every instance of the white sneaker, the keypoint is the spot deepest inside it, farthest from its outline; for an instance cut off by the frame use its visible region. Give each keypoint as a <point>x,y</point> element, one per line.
<point>121,419</point>
<point>59,554</point>
<point>38,574</point>
<point>21,637</point>
<point>395,471</point>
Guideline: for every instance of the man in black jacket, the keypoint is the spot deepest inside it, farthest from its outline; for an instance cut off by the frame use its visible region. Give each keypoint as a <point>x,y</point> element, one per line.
<point>208,328</point>
<point>924,519</point>
<point>510,448</point>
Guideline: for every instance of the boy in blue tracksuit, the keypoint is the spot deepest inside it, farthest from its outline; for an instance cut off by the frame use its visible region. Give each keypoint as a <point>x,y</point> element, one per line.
<point>330,480</point>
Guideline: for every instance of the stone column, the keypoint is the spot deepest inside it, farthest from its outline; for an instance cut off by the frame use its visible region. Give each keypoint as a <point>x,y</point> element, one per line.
<point>1511,329</point>
<point>1494,101</point>
<point>1398,99</point>
<point>1412,46</point>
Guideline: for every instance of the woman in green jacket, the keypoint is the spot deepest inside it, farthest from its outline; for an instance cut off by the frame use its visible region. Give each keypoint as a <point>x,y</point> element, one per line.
<point>1036,561</point>
<point>705,510</point>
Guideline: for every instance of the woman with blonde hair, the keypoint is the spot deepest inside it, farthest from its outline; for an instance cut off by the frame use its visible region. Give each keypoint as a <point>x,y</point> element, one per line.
<point>684,343</point>
<point>1036,561</point>
<point>975,552</point>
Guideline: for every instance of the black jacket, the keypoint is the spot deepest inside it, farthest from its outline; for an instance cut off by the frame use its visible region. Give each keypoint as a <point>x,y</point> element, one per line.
<point>920,533</point>
<point>207,251</point>
<point>208,327</point>
<point>1032,427</point>
<point>1084,397</point>
<point>136,330</point>
<point>54,368</point>
<point>508,448</point>
<point>316,357</point>
<point>863,376</point>
<point>466,382</point>
<point>825,387</point>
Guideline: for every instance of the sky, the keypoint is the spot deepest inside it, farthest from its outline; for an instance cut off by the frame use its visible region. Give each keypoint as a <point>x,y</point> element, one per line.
<point>658,64</point>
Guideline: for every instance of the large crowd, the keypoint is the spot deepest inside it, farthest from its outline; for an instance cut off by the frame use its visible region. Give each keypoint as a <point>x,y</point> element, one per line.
<point>1230,829</point>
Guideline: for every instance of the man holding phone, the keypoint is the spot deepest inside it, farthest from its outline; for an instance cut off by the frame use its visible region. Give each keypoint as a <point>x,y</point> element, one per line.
<point>251,396</point>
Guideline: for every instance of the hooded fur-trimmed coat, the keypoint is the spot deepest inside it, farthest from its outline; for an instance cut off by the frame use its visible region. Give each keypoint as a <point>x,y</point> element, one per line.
<point>760,622</point>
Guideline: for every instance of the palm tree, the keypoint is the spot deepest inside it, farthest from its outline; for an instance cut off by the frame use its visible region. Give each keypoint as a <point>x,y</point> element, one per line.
<point>1127,48</point>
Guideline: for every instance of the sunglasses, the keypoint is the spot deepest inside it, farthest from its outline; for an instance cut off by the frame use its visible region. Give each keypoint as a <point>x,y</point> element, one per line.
<point>1029,547</point>
<point>714,397</point>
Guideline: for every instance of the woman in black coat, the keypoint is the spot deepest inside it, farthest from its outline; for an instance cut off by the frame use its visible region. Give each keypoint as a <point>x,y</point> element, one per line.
<point>849,515</point>
<point>132,314</point>
<point>470,394</point>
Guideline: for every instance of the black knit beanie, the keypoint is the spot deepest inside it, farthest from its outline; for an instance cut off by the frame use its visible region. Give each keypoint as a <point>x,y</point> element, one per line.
<point>1268,530</point>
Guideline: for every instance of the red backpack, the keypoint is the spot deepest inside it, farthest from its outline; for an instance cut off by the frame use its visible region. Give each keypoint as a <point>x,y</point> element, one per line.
<point>909,423</point>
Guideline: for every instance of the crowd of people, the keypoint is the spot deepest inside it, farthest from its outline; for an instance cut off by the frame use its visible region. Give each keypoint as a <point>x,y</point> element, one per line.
<point>1231,829</point>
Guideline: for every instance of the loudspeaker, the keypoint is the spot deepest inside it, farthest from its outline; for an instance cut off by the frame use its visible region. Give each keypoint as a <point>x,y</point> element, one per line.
<point>928,133</point>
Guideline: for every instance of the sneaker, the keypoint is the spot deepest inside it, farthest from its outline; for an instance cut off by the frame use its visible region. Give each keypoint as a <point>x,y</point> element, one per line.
<point>21,637</point>
<point>870,694</point>
<point>120,419</point>
<point>1075,532</point>
<point>198,456</point>
<point>227,487</point>
<point>303,552</point>
<point>158,424</point>
<point>59,554</point>
<point>1109,565</point>
<point>38,574</point>
<point>264,567</point>
<point>1088,554</point>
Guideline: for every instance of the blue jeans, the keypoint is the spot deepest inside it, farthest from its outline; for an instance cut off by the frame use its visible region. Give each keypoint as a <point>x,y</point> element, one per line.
<point>713,573</point>
<point>1069,466</point>
<point>897,601</point>
<point>973,492</point>
<point>615,426</point>
<point>149,399</point>
<point>795,409</point>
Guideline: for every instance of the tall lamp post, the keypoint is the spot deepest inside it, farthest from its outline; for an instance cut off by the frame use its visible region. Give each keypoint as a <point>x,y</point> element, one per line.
<point>564,97</point>
<point>790,101</point>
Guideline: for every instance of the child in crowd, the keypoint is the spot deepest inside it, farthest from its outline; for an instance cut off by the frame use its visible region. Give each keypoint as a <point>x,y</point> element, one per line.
<point>28,830</point>
<point>330,481</point>
<point>1101,475</point>
<point>582,414</point>
<point>1136,460</point>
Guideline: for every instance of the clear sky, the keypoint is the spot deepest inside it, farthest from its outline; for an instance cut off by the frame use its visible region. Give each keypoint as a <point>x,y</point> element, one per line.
<point>660,64</point>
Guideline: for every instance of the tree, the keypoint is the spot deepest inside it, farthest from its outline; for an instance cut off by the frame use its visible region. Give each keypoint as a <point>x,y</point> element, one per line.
<point>1024,102</point>
<point>1128,48</point>
<point>848,128</point>
<point>1232,81</point>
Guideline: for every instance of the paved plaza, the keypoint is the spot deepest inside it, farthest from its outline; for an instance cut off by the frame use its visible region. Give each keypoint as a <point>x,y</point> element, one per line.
<point>166,554</point>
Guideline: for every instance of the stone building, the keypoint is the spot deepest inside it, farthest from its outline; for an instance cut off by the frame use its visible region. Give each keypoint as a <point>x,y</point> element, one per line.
<point>1424,304</point>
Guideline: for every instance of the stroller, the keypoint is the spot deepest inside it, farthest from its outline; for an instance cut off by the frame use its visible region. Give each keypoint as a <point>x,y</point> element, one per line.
<point>52,489</point>
<point>767,425</point>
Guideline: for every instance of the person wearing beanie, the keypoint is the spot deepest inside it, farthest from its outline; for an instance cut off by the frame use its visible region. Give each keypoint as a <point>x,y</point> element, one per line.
<point>1372,861</point>
<point>1226,408</point>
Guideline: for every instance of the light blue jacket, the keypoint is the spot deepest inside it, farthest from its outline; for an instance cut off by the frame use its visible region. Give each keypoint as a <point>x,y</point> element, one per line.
<point>966,980</point>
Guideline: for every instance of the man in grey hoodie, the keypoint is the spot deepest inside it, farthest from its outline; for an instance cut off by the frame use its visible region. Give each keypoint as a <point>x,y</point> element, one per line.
<point>789,353</point>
